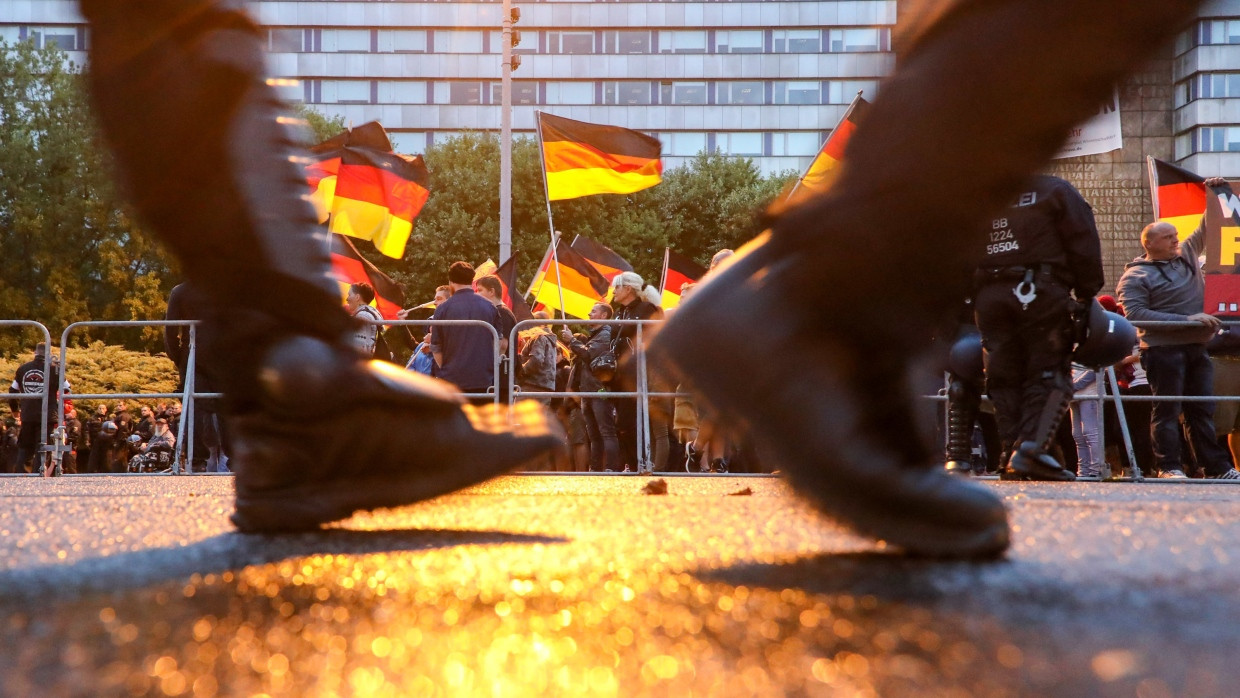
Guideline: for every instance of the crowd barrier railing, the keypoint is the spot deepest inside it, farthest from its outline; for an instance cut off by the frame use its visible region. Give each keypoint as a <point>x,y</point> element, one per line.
<point>44,446</point>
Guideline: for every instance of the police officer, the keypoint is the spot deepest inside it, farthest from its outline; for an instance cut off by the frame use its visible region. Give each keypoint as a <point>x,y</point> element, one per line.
<point>1042,263</point>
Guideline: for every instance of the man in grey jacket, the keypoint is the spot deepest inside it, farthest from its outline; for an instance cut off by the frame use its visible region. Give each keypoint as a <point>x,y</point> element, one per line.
<point>1166,284</point>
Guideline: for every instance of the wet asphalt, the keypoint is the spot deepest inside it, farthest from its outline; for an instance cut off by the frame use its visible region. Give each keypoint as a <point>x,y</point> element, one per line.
<point>586,585</point>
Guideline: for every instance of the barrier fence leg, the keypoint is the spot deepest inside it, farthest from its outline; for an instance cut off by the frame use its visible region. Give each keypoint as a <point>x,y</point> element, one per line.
<point>1113,382</point>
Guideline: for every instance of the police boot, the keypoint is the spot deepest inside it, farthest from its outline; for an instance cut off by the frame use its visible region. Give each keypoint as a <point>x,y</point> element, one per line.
<point>1032,459</point>
<point>207,157</point>
<point>834,412</point>
<point>962,407</point>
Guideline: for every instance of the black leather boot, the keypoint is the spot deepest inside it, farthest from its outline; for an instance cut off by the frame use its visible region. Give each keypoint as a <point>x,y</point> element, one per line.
<point>206,153</point>
<point>831,412</point>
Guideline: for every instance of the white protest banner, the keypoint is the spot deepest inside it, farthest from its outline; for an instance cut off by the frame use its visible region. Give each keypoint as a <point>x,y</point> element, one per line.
<point>1100,134</point>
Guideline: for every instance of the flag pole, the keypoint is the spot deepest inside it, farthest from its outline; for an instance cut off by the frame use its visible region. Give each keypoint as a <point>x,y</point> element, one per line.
<point>667,253</point>
<point>847,112</point>
<point>543,263</point>
<point>542,158</point>
<point>1153,172</point>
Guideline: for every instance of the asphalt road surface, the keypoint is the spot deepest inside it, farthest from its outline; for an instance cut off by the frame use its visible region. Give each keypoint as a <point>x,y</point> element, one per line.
<point>585,585</point>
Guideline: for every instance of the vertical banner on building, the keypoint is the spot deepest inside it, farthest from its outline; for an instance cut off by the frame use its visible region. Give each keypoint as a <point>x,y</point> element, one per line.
<point>1100,134</point>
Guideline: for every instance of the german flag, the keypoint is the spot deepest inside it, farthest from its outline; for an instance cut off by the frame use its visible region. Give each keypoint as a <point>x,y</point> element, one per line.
<point>601,257</point>
<point>364,190</point>
<point>581,159</point>
<point>507,275</point>
<point>678,270</point>
<point>349,267</point>
<point>823,170</point>
<point>487,268</point>
<point>580,283</point>
<point>1179,196</point>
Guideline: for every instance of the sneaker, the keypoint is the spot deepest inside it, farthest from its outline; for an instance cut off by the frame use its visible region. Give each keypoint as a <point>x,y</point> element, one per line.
<point>719,465</point>
<point>1229,474</point>
<point>1173,474</point>
<point>691,457</point>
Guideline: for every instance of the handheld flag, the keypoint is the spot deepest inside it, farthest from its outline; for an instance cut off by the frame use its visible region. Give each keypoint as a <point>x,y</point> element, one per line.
<point>678,270</point>
<point>364,190</point>
<point>487,268</point>
<point>349,267</point>
<point>601,257</point>
<point>823,170</point>
<point>1178,196</point>
<point>580,159</point>
<point>573,278</point>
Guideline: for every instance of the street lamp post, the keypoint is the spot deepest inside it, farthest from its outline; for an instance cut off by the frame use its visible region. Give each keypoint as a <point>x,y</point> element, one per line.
<point>509,39</point>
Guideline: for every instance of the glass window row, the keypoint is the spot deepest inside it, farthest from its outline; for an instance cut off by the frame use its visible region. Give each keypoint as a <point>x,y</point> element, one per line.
<point>606,92</point>
<point>66,37</point>
<point>1207,86</point>
<point>675,143</point>
<point>590,42</point>
<point>1208,139</point>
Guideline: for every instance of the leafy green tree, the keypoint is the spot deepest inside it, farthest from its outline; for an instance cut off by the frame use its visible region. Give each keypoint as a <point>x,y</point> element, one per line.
<point>70,252</point>
<point>320,126</point>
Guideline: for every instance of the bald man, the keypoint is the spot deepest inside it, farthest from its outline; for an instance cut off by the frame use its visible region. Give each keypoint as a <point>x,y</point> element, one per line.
<point>1166,283</point>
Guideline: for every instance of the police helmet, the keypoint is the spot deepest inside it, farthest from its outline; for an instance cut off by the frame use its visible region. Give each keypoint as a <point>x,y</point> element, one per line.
<point>109,427</point>
<point>1108,338</point>
<point>965,358</point>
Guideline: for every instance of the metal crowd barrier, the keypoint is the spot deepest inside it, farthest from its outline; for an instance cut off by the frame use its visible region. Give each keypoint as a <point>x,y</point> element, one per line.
<point>1108,388</point>
<point>44,447</point>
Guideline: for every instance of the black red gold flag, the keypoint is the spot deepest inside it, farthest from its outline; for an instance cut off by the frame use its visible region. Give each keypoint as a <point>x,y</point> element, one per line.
<point>507,275</point>
<point>364,190</point>
<point>574,279</point>
<point>1179,196</point>
<point>825,167</point>
<point>349,267</point>
<point>602,257</point>
<point>678,270</point>
<point>581,158</point>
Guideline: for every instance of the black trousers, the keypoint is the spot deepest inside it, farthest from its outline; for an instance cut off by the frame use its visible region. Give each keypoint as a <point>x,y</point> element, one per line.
<point>1028,356</point>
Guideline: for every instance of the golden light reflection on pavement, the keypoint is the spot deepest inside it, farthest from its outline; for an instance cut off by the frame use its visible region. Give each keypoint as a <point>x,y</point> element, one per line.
<point>516,589</point>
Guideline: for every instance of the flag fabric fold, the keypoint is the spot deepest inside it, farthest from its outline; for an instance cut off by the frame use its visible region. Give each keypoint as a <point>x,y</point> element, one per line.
<point>580,284</point>
<point>1179,196</point>
<point>678,270</point>
<point>350,267</point>
<point>360,188</point>
<point>601,257</point>
<point>581,159</point>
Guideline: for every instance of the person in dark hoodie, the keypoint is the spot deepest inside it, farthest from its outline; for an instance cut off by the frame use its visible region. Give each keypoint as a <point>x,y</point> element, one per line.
<point>1166,284</point>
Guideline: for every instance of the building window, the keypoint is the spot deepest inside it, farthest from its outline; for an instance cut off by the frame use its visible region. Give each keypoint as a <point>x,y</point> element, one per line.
<point>626,93</point>
<point>844,91</point>
<point>631,41</point>
<point>402,41</point>
<point>683,144</point>
<point>796,143</point>
<point>1218,86</point>
<point>1184,145</point>
<point>740,93</point>
<point>453,41</point>
<point>442,137</point>
<point>574,93</point>
<point>1219,139</point>
<point>346,92</point>
<point>346,40</point>
<point>859,40</point>
<point>738,41</point>
<point>748,144</point>
<point>402,92</point>
<point>62,37</point>
<point>285,41</point>
<point>1220,31</point>
<point>458,93</point>
<point>798,92</point>
<point>570,42</point>
<point>408,142</point>
<point>682,41</point>
<point>797,41</point>
<point>1183,93</point>
<point>523,92</point>
<point>682,93</point>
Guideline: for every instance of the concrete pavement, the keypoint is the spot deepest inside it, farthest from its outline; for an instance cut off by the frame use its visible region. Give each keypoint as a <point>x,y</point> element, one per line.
<point>569,585</point>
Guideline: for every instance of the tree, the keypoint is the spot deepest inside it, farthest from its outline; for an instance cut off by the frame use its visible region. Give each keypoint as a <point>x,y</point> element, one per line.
<point>70,252</point>
<point>321,127</point>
